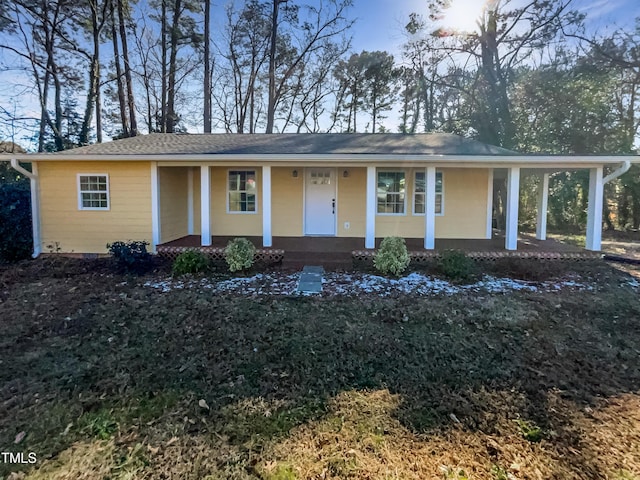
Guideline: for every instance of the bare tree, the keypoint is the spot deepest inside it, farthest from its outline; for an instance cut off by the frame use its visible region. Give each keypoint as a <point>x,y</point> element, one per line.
<point>322,25</point>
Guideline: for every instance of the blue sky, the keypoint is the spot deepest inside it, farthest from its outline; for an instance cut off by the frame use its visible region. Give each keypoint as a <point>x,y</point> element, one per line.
<point>380,22</point>
<point>379,26</point>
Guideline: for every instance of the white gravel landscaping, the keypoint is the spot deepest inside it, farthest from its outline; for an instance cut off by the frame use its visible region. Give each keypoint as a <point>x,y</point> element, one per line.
<point>351,284</point>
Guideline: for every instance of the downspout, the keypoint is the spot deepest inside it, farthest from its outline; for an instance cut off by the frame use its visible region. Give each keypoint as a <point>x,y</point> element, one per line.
<point>35,202</point>
<point>621,170</point>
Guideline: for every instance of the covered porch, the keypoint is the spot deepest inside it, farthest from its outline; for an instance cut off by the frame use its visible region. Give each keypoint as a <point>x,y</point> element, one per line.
<point>193,205</point>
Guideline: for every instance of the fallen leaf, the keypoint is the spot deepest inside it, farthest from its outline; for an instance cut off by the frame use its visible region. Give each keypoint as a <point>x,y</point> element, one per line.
<point>20,437</point>
<point>203,404</point>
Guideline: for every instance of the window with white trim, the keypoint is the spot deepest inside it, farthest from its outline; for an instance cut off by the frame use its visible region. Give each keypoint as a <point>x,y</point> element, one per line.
<point>242,191</point>
<point>391,192</point>
<point>93,192</point>
<point>419,194</point>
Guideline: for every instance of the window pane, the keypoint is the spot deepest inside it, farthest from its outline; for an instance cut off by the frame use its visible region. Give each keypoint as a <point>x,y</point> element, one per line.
<point>419,203</point>
<point>420,182</point>
<point>439,203</point>
<point>438,182</point>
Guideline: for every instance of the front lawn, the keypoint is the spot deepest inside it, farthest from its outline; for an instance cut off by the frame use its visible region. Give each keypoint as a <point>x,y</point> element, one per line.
<point>103,377</point>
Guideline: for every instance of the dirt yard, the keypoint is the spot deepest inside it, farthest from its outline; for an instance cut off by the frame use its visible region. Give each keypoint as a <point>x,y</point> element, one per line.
<point>103,376</point>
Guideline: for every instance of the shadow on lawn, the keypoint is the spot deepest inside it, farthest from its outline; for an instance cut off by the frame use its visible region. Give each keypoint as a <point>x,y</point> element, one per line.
<point>93,355</point>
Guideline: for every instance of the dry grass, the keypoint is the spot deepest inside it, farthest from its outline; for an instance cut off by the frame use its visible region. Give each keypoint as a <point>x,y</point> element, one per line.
<point>106,379</point>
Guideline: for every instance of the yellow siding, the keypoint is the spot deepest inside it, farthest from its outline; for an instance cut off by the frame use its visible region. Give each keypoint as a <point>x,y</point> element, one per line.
<point>85,231</point>
<point>173,203</point>
<point>196,202</point>
<point>352,202</point>
<point>286,202</point>
<point>465,208</point>
<point>240,224</point>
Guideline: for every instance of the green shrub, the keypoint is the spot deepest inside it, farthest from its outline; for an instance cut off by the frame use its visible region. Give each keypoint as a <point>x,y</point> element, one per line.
<point>455,265</point>
<point>16,241</point>
<point>392,256</point>
<point>530,431</point>
<point>239,254</point>
<point>191,262</point>
<point>131,256</point>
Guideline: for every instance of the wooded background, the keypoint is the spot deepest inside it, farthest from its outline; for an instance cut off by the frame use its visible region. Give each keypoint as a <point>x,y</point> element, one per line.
<point>530,77</point>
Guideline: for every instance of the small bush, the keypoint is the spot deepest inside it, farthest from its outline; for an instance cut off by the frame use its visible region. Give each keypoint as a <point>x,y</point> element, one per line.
<point>455,265</point>
<point>530,431</point>
<point>132,256</point>
<point>239,254</point>
<point>191,262</point>
<point>16,242</point>
<point>392,257</point>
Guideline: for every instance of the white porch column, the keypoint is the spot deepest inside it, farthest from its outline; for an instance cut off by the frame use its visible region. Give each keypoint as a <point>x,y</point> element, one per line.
<point>266,207</point>
<point>205,205</point>
<point>372,195</point>
<point>190,201</point>
<point>489,233</point>
<point>594,213</point>
<point>543,203</point>
<point>155,206</point>
<point>513,197</point>
<point>430,208</point>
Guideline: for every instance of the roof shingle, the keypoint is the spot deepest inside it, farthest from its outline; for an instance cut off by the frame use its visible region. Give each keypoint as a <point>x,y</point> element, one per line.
<point>291,144</point>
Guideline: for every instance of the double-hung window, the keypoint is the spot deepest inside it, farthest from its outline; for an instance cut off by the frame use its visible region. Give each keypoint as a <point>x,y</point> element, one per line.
<point>242,191</point>
<point>93,192</point>
<point>419,192</point>
<point>391,192</point>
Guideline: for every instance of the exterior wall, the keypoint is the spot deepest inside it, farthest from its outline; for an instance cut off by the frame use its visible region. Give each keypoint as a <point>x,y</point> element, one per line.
<point>173,203</point>
<point>227,224</point>
<point>465,208</point>
<point>287,195</point>
<point>352,202</point>
<point>88,231</point>
<point>196,202</point>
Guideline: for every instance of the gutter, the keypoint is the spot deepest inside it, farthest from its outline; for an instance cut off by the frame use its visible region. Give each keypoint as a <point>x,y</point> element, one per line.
<point>622,169</point>
<point>35,203</point>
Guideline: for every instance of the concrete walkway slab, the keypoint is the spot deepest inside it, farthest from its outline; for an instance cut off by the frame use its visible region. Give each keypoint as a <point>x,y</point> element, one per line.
<point>310,280</point>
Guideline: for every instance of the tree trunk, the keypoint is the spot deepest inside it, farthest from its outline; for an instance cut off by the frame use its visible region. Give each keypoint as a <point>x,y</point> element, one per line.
<point>271,106</point>
<point>127,72</point>
<point>119,80</point>
<point>94,81</point>
<point>172,118</point>
<point>163,88</point>
<point>207,67</point>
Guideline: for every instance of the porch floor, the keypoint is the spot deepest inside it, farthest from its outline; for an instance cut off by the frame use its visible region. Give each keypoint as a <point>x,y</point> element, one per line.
<point>335,252</point>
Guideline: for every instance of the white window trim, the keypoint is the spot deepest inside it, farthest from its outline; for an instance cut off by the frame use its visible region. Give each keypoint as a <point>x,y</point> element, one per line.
<point>406,187</point>
<point>98,209</point>
<point>255,174</point>
<point>413,198</point>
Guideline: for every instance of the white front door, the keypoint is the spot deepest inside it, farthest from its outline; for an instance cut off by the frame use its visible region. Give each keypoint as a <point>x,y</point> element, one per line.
<point>320,201</point>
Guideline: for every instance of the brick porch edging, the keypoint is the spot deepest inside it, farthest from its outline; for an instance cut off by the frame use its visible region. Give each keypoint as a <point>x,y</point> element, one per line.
<point>422,257</point>
<point>265,256</point>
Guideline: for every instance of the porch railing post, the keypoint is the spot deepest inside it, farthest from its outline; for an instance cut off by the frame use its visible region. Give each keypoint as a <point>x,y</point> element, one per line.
<point>430,208</point>
<point>513,198</point>
<point>267,239</point>
<point>594,213</point>
<point>372,191</point>
<point>543,203</point>
<point>205,205</point>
